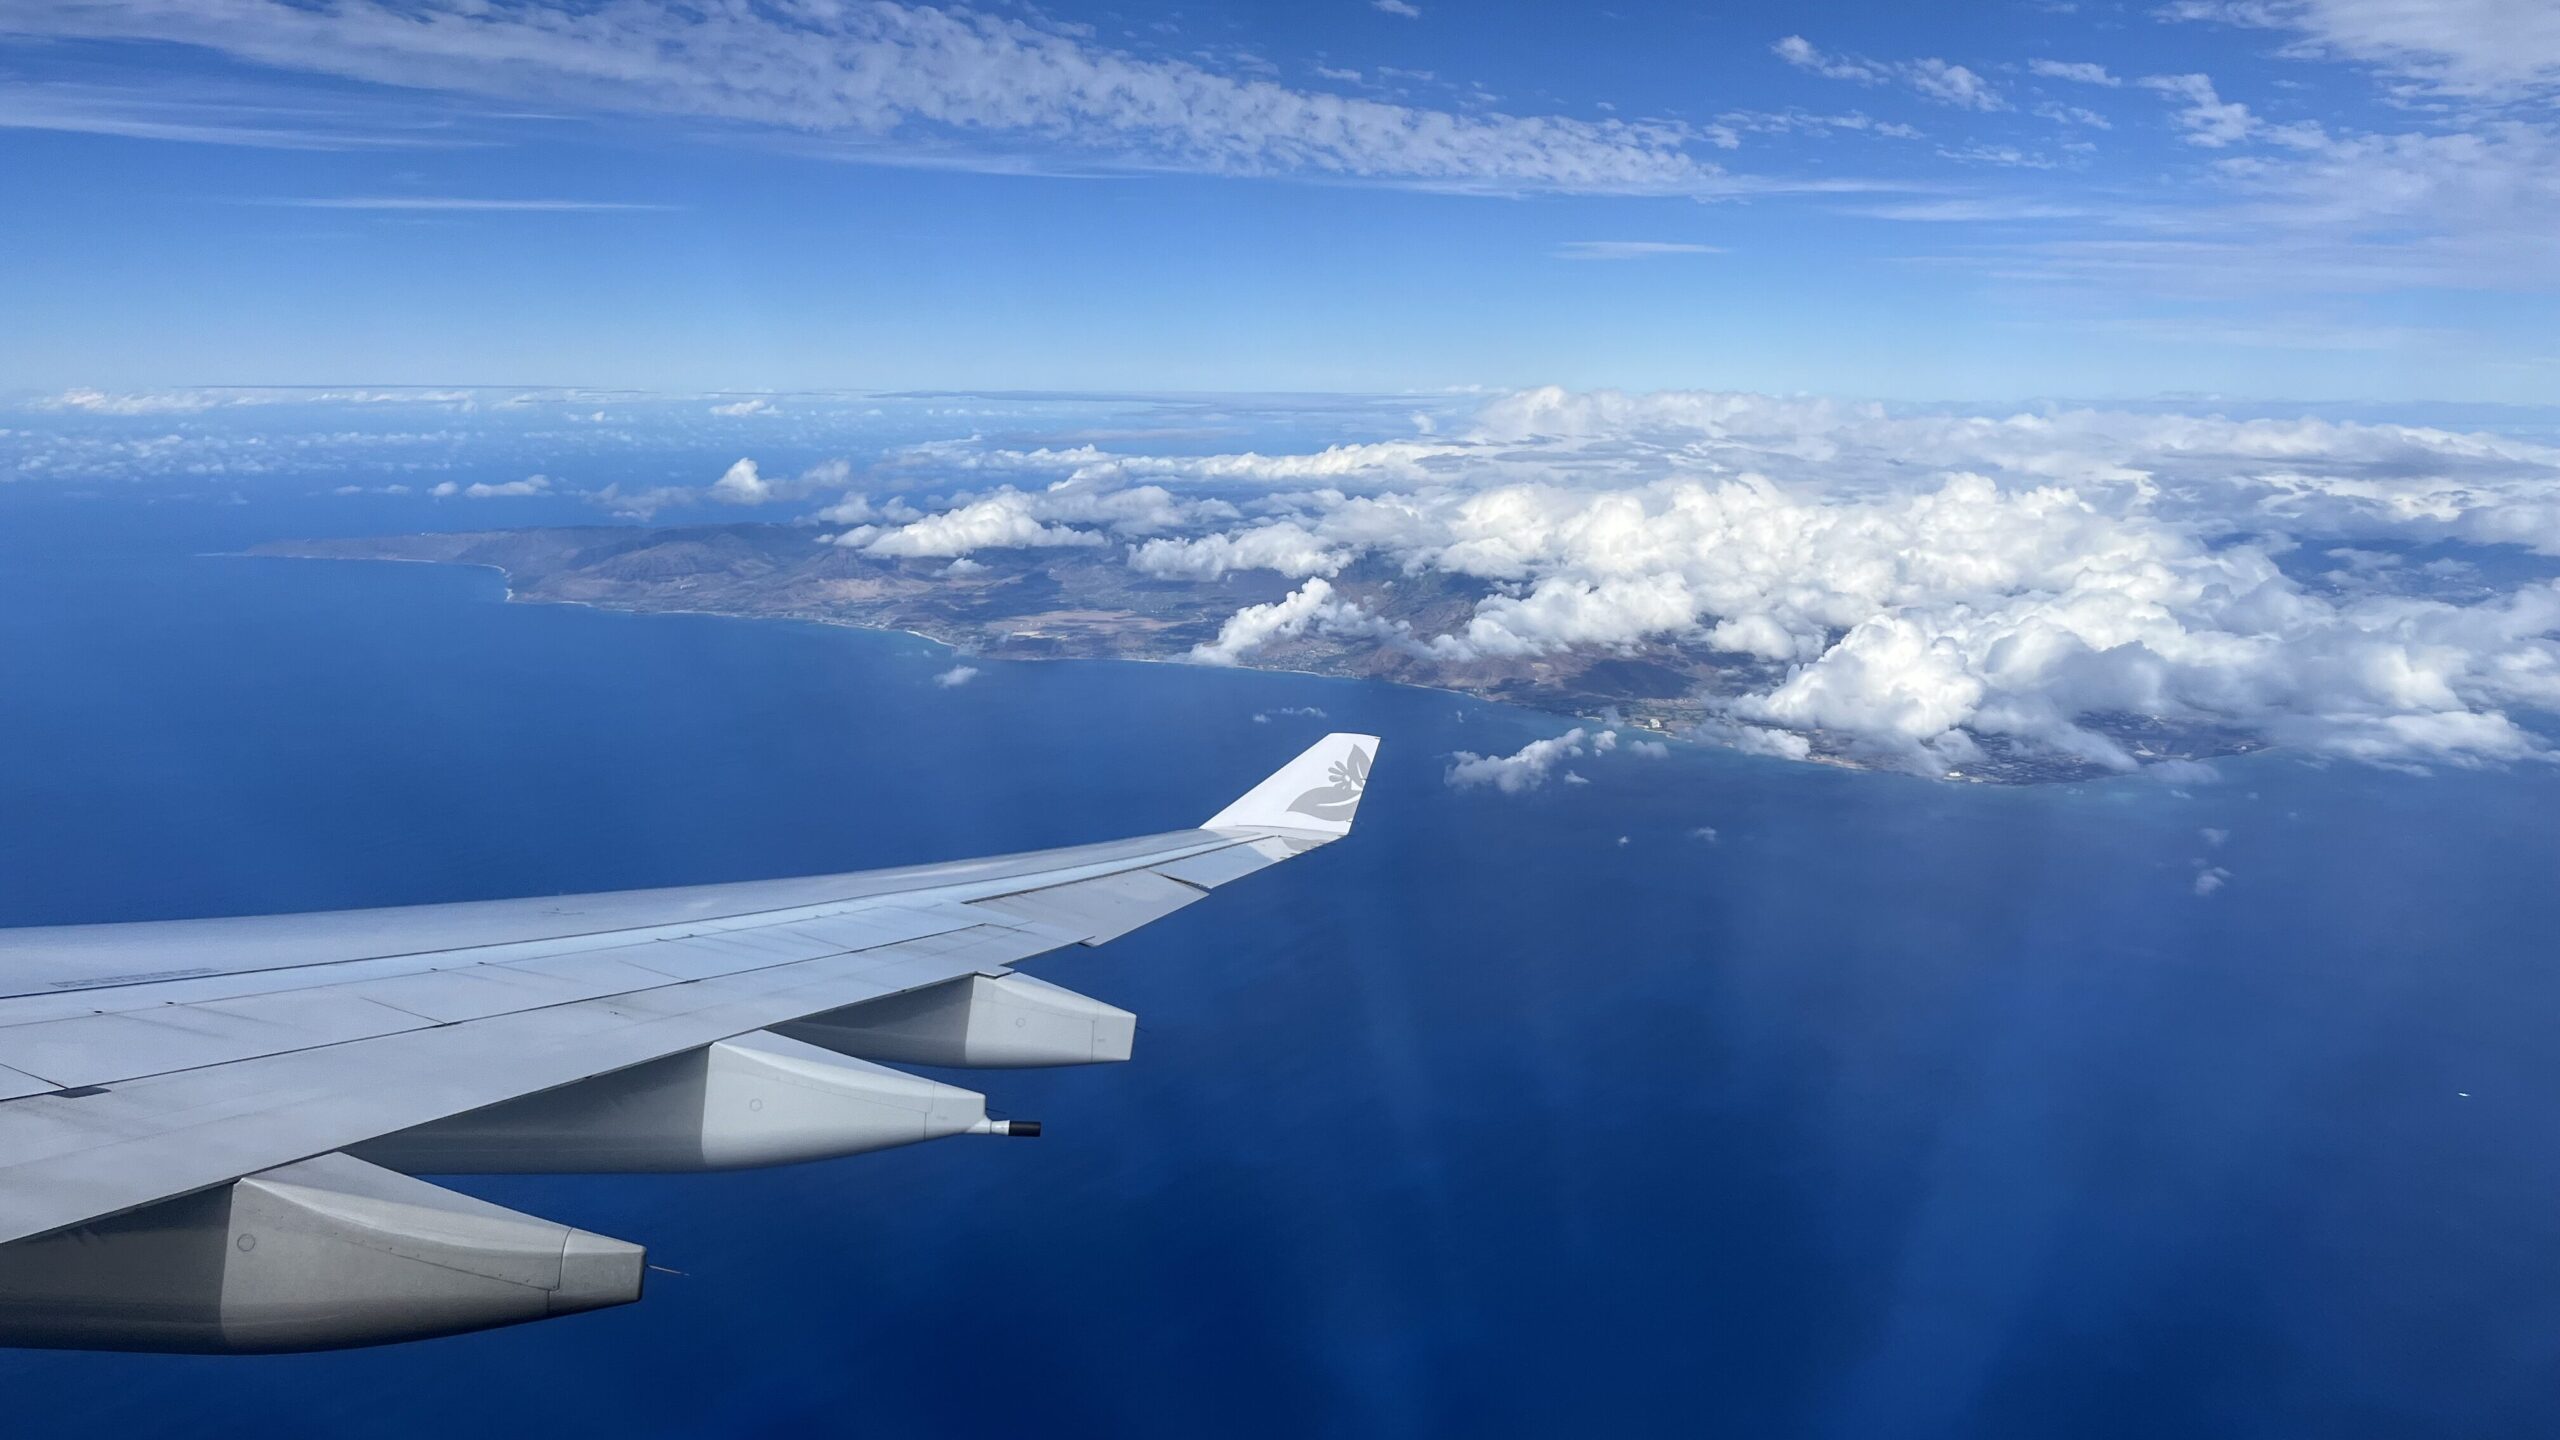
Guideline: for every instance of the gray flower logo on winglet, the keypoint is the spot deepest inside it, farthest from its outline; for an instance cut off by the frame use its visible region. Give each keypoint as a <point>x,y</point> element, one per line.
<point>1336,799</point>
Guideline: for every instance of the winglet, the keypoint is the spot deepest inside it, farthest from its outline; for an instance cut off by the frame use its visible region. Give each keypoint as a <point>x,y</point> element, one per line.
<point>1316,793</point>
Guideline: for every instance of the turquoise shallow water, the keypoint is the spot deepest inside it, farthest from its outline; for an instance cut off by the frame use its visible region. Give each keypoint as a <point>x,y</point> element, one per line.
<point>1894,1108</point>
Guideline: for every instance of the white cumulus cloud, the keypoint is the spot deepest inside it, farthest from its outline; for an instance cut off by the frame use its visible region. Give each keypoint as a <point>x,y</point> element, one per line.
<point>742,484</point>
<point>503,490</point>
<point>1915,584</point>
<point>1309,607</point>
<point>1007,520</point>
<point>1283,546</point>
<point>1528,767</point>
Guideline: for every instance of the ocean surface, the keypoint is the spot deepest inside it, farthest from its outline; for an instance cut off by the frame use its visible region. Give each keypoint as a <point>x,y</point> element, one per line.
<point>1713,1096</point>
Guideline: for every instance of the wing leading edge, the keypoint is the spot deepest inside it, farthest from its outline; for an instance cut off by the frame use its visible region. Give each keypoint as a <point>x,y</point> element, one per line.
<point>180,1099</point>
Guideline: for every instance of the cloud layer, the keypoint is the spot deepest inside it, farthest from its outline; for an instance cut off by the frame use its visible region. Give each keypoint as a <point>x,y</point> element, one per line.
<point>1919,582</point>
<point>1919,586</point>
<point>869,74</point>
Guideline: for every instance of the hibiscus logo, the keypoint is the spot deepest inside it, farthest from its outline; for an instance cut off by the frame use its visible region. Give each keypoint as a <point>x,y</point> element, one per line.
<point>1340,795</point>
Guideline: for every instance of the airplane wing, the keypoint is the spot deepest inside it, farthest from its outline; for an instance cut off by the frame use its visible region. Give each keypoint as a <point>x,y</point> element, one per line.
<point>210,1129</point>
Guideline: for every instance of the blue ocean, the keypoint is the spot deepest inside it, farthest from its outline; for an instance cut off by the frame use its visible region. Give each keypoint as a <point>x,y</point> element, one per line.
<point>1710,1096</point>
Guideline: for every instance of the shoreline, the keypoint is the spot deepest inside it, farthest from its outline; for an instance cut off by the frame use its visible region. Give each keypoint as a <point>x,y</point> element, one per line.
<point>962,650</point>
<point>956,648</point>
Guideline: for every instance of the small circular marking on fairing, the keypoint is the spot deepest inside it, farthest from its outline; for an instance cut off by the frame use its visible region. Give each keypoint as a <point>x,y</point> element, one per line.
<point>756,1104</point>
<point>248,1243</point>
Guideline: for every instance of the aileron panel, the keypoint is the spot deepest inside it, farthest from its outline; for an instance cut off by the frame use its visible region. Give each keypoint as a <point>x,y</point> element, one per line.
<point>1100,909</point>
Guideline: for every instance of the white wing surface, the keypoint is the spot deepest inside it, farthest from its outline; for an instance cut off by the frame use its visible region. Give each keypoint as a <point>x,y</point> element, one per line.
<point>209,1129</point>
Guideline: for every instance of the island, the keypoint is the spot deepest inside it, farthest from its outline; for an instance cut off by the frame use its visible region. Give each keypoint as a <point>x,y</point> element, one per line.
<point>1086,602</point>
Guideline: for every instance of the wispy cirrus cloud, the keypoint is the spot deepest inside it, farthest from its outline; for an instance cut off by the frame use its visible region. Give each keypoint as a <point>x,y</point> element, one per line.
<point>2284,198</point>
<point>2083,72</point>
<point>456,203</point>
<point>1933,78</point>
<point>2472,47</point>
<point>183,402</point>
<point>936,84</point>
<point>1630,249</point>
<point>1728,129</point>
<point>2294,207</point>
<point>128,113</point>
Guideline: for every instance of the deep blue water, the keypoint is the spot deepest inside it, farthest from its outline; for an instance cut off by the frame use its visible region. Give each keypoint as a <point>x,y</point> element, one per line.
<point>1897,1109</point>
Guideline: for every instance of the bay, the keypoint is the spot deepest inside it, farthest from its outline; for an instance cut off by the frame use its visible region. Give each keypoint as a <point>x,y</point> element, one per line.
<point>1889,1108</point>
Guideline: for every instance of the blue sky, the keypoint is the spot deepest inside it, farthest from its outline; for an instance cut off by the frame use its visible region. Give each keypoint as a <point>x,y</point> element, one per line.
<point>2319,199</point>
